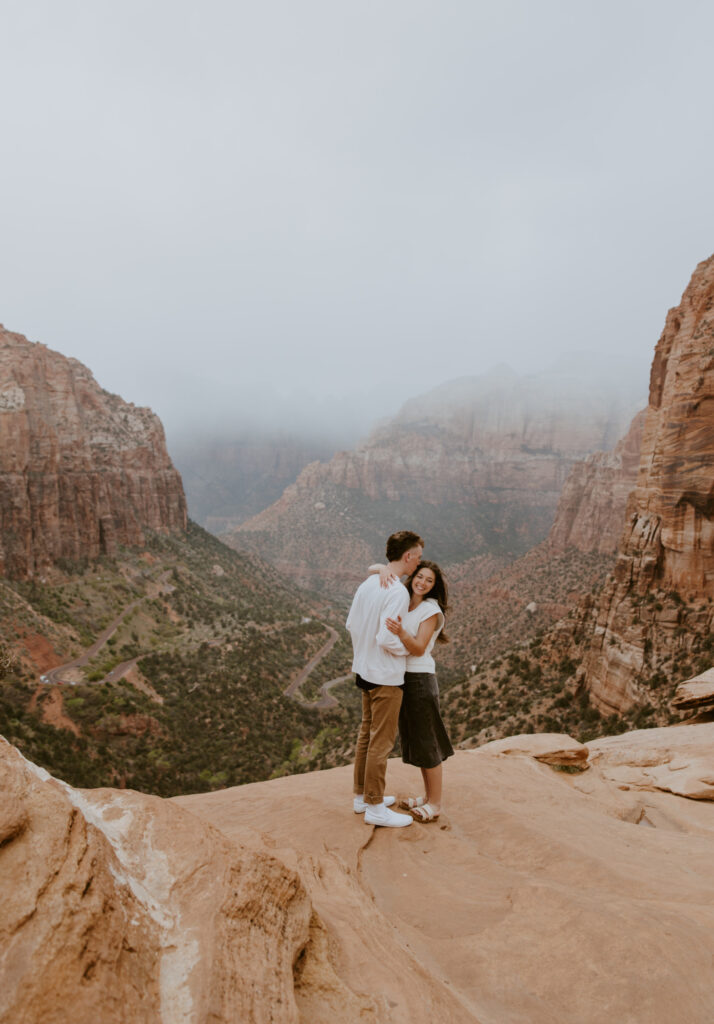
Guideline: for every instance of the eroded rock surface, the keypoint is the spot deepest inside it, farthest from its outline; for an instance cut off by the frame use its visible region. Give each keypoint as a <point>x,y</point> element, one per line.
<point>679,760</point>
<point>548,747</point>
<point>120,907</point>
<point>538,896</point>
<point>697,693</point>
<point>80,470</point>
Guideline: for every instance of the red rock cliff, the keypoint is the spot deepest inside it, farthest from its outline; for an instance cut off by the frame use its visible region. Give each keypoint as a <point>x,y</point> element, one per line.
<point>594,499</point>
<point>658,598</point>
<point>80,470</point>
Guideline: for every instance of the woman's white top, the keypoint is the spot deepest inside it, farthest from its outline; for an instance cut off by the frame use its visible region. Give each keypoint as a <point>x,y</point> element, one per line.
<point>411,622</point>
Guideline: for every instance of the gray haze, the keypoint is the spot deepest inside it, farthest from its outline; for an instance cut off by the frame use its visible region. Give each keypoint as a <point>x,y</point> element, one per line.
<point>307,212</point>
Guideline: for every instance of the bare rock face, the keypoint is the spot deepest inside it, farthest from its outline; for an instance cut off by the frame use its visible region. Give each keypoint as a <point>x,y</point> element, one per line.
<point>119,907</point>
<point>676,760</point>
<point>80,470</point>
<point>531,899</point>
<point>667,548</point>
<point>697,693</point>
<point>592,505</point>
<point>475,466</point>
<point>550,748</point>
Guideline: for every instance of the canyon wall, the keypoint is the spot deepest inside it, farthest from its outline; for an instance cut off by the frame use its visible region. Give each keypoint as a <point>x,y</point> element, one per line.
<point>657,604</point>
<point>476,466</point>
<point>81,471</point>
<point>594,499</point>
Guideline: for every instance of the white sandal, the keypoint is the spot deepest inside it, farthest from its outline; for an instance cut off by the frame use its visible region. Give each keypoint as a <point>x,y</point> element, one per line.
<point>424,813</point>
<point>410,802</point>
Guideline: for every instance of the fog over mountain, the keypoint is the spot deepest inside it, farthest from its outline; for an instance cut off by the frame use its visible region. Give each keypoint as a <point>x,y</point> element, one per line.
<point>302,215</point>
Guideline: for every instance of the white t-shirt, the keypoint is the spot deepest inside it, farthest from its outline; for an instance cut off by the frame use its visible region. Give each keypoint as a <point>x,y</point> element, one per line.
<point>411,622</point>
<point>379,656</point>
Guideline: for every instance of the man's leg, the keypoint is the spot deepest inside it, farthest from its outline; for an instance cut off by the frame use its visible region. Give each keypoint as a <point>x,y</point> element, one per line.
<point>362,742</point>
<point>385,702</point>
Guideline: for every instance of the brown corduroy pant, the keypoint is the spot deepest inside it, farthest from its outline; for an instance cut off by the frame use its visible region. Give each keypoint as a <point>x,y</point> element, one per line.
<point>380,718</point>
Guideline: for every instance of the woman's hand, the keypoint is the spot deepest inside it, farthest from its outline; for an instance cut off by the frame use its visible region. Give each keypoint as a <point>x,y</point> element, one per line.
<point>395,626</point>
<point>386,576</point>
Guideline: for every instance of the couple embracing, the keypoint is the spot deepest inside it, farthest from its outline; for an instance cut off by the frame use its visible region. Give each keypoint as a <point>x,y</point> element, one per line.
<point>394,626</point>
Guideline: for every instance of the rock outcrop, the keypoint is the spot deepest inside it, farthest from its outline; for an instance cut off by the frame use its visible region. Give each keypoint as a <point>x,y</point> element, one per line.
<point>675,760</point>
<point>658,598</point>
<point>119,907</point>
<point>696,694</point>
<point>476,466</point>
<point>593,502</point>
<point>81,471</point>
<point>549,748</point>
<point>531,899</point>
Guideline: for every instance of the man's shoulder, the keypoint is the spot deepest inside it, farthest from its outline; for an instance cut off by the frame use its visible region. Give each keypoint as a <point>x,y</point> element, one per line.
<point>367,584</point>
<point>396,591</point>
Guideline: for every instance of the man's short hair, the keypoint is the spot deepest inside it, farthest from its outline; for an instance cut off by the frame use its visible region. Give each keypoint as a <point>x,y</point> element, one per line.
<point>401,542</point>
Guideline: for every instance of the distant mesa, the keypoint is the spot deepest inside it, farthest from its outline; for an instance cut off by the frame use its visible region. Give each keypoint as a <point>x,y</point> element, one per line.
<point>81,471</point>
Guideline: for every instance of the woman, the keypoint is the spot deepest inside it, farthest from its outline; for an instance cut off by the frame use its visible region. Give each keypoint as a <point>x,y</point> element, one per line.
<point>423,737</point>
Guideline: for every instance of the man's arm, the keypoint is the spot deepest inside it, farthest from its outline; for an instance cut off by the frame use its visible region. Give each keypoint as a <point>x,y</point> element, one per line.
<point>395,606</point>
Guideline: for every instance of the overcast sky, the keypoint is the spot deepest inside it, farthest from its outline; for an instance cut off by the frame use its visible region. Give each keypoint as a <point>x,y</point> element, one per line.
<point>314,209</point>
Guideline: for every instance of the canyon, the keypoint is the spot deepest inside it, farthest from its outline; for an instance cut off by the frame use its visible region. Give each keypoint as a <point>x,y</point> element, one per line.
<point>271,900</point>
<point>228,479</point>
<point>476,466</point>
<point>496,606</point>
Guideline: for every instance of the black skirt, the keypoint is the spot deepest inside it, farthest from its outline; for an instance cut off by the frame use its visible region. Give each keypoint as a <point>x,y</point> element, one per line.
<point>422,734</point>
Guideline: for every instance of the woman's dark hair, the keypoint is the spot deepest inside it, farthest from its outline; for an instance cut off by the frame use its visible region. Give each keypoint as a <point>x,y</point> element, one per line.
<point>440,592</point>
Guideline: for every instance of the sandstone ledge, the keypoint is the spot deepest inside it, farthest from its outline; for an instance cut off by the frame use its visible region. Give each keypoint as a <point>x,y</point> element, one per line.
<point>677,759</point>
<point>696,693</point>
<point>538,897</point>
<point>548,747</point>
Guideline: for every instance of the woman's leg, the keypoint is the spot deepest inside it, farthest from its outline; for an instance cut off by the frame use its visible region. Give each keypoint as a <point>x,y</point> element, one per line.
<point>433,778</point>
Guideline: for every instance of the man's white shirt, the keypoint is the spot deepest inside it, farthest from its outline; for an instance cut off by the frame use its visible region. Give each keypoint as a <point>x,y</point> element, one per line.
<point>379,656</point>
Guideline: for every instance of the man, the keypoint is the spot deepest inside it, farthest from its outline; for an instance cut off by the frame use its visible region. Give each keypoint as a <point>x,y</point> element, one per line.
<point>379,661</point>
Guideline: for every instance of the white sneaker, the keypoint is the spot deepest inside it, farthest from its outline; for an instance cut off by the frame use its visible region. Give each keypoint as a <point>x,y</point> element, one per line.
<point>385,817</point>
<point>360,806</point>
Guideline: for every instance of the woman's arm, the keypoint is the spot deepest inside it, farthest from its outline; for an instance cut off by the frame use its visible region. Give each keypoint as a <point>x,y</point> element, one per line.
<point>415,644</point>
<point>386,576</point>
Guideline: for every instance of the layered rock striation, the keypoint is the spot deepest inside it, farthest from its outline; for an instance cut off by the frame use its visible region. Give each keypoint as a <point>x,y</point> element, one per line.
<point>476,466</point>
<point>658,601</point>
<point>81,471</point>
